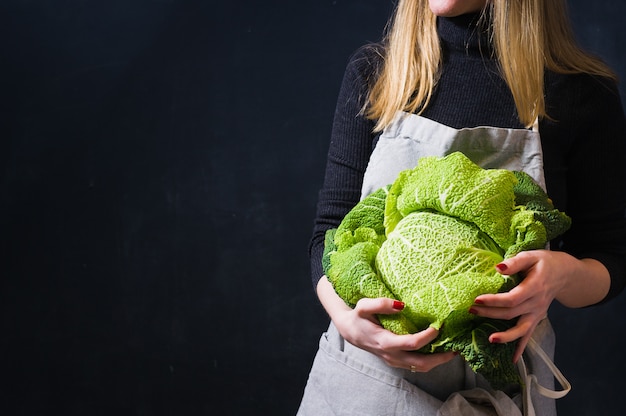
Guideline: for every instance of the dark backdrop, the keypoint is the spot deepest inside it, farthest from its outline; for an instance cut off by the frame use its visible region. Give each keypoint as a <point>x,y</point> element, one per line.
<point>159,167</point>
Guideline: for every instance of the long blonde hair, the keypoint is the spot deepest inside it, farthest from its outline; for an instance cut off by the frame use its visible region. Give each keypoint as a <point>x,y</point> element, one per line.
<point>412,56</point>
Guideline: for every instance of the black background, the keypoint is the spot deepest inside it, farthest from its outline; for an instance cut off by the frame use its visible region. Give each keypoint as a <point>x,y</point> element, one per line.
<point>159,168</point>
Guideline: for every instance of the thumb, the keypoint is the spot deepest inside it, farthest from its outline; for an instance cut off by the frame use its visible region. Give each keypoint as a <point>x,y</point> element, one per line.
<point>385,306</point>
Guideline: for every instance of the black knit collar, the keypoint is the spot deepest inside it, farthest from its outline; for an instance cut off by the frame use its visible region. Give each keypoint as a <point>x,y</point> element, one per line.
<point>464,33</point>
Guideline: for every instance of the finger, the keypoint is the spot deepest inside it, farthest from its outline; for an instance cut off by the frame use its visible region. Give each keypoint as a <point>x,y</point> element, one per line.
<point>505,309</point>
<point>521,346</point>
<point>375,306</point>
<point>409,342</point>
<point>522,331</point>
<point>516,264</point>
<point>419,339</point>
<point>510,335</point>
<point>423,363</point>
<point>516,296</point>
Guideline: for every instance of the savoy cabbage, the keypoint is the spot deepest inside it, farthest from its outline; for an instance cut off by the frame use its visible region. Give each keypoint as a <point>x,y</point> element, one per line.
<point>432,240</point>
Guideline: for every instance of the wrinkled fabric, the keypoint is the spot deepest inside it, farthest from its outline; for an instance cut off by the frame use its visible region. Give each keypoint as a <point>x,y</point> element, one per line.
<point>479,402</point>
<point>411,137</point>
<point>346,380</point>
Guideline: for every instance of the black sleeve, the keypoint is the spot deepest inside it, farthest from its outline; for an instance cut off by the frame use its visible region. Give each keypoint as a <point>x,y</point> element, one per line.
<point>349,151</point>
<point>593,170</point>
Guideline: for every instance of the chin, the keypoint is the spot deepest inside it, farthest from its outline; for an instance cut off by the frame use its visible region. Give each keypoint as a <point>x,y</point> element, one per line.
<point>452,8</point>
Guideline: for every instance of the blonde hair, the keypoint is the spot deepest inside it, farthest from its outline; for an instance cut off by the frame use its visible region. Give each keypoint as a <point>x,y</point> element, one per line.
<point>412,57</point>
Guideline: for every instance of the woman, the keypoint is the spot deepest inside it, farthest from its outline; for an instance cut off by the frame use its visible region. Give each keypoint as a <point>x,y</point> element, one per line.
<point>446,72</point>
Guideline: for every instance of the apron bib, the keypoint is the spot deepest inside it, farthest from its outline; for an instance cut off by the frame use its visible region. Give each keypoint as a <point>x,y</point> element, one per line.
<point>410,137</point>
<point>346,380</point>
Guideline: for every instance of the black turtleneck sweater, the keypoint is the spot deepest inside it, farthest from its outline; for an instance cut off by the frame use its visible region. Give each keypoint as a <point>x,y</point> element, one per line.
<point>584,142</point>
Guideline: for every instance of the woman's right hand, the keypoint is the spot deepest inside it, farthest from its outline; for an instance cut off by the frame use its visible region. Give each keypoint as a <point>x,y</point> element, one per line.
<point>361,327</point>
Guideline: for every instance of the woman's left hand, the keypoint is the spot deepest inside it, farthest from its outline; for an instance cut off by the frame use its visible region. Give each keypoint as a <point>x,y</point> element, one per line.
<point>547,275</point>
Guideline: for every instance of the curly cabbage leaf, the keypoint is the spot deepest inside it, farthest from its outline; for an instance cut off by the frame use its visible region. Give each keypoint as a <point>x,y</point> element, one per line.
<point>444,277</point>
<point>456,186</point>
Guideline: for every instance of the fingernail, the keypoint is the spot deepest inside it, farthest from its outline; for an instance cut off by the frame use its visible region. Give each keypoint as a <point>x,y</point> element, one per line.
<point>473,311</point>
<point>501,267</point>
<point>478,302</point>
<point>397,305</point>
<point>495,340</point>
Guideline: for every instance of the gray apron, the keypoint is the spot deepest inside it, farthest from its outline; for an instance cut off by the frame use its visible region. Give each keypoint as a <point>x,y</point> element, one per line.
<point>345,380</point>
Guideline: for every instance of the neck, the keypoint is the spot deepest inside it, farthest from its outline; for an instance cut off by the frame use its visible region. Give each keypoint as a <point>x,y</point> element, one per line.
<point>466,32</point>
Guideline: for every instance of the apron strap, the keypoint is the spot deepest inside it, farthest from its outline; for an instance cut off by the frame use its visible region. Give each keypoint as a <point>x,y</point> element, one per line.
<point>530,380</point>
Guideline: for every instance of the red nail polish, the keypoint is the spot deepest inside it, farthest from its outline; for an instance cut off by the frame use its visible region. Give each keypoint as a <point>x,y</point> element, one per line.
<point>397,305</point>
<point>501,267</point>
<point>478,302</point>
<point>473,311</point>
<point>495,340</point>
